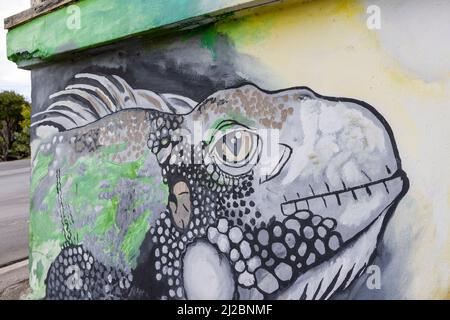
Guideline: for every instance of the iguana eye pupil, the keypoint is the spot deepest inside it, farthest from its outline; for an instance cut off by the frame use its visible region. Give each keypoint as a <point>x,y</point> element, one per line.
<point>236,148</point>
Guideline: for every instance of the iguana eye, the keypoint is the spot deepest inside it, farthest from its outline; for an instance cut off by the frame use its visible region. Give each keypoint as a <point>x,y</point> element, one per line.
<point>236,151</point>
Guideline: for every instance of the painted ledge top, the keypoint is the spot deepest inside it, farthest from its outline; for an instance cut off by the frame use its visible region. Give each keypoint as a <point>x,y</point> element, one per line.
<point>39,8</point>
<point>53,28</point>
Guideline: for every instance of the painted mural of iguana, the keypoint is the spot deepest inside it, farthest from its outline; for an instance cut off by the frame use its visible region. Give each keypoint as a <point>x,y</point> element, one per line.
<point>262,195</point>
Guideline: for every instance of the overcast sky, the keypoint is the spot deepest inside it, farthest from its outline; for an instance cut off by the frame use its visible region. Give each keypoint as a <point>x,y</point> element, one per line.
<point>11,78</point>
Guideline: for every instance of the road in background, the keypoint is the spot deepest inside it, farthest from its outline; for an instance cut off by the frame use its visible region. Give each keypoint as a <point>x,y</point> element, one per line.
<point>14,209</point>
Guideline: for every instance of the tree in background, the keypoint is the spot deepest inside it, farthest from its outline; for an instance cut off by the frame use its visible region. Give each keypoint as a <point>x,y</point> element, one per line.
<point>21,146</point>
<point>14,126</point>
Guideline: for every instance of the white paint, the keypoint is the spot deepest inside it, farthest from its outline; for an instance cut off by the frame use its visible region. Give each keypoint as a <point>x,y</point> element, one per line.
<point>357,212</point>
<point>416,33</point>
<point>374,17</point>
<point>74,280</point>
<point>207,275</point>
<point>351,172</point>
<point>44,132</point>
<point>309,124</point>
<point>334,134</point>
<point>73,21</point>
<point>373,282</point>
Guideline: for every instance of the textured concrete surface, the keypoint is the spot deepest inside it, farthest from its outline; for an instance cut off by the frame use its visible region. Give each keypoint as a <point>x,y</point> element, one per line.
<point>18,291</point>
<point>14,281</point>
<point>14,208</point>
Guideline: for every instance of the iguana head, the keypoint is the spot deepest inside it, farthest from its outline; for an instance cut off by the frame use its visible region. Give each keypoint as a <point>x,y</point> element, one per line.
<point>281,194</point>
<point>266,187</point>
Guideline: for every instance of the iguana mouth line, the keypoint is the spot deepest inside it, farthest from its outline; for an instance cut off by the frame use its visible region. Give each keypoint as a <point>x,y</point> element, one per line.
<point>292,206</point>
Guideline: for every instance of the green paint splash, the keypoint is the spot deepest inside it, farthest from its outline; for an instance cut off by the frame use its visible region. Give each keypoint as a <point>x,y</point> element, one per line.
<point>82,183</point>
<point>134,238</point>
<point>40,170</point>
<point>209,40</point>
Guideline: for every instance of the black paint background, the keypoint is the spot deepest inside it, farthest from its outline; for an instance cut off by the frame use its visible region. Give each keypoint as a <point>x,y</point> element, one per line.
<point>178,64</point>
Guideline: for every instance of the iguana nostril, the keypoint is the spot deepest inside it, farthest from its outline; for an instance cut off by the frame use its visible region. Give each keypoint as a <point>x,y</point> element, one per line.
<point>180,204</point>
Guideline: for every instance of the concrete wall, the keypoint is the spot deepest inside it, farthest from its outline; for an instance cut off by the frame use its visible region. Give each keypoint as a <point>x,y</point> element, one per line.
<point>34,3</point>
<point>292,153</point>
